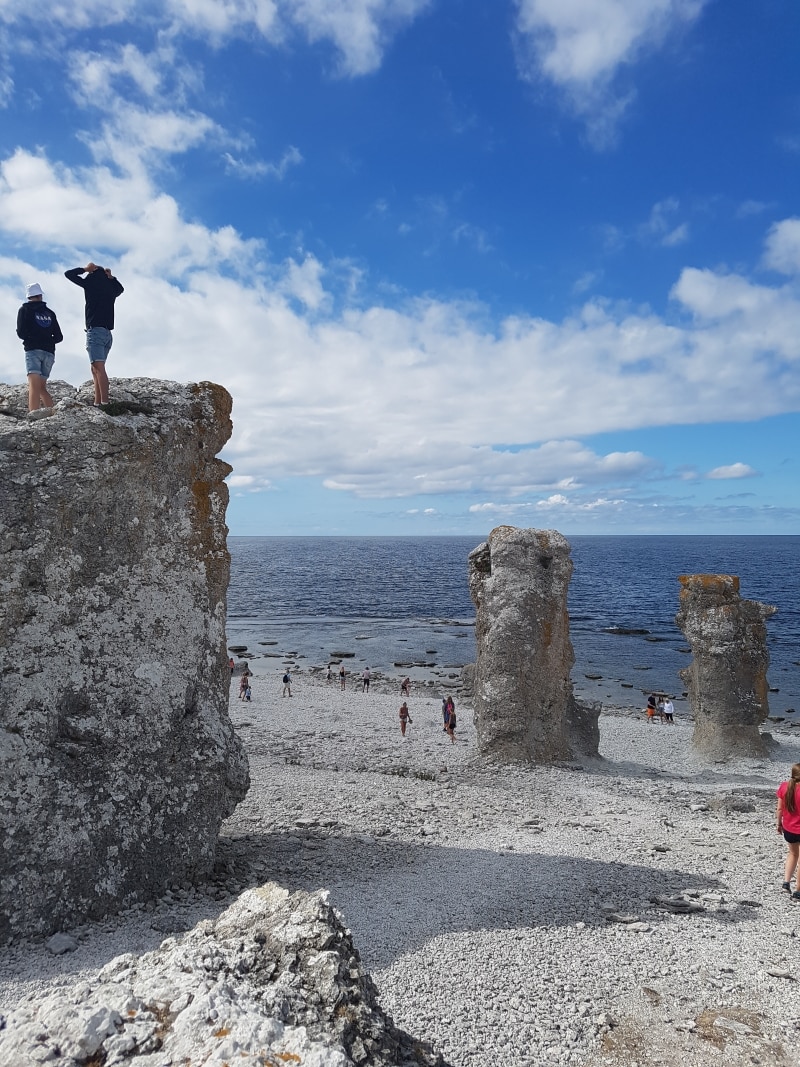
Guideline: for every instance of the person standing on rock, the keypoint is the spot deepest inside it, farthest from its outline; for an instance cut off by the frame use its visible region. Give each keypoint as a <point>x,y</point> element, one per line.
<point>100,289</point>
<point>38,328</point>
<point>329,675</point>
<point>669,711</point>
<point>365,677</point>
<point>287,685</point>
<point>342,677</point>
<point>788,816</point>
<point>405,687</point>
<point>404,718</point>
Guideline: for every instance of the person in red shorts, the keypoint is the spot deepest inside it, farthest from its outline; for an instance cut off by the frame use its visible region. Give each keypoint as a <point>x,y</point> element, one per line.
<point>788,816</point>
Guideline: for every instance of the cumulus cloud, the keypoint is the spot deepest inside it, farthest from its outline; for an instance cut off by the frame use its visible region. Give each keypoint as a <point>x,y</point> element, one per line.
<point>580,47</point>
<point>425,397</point>
<point>734,470</point>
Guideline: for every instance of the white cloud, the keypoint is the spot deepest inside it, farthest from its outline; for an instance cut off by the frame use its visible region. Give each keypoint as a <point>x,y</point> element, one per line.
<point>580,46</point>
<point>260,168</point>
<point>422,398</point>
<point>660,226</point>
<point>734,470</point>
<point>783,247</point>
<point>359,30</point>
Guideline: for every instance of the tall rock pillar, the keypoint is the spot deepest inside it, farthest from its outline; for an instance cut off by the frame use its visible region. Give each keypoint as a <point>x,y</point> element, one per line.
<point>524,705</point>
<point>727,678</point>
<point>118,761</point>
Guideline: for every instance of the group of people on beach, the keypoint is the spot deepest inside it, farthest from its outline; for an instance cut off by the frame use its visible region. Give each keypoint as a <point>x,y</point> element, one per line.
<point>39,331</point>
<point>662,706</point>
<point>788,792</point>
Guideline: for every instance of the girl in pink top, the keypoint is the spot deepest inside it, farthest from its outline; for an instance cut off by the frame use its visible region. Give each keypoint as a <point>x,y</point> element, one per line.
<point>788,816</point>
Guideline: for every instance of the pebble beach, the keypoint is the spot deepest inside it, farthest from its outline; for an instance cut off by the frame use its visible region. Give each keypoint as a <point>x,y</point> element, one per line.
<point>622,911</point>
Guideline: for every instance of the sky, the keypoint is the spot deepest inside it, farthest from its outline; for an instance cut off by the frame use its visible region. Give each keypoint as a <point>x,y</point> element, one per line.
<point>460,264</point>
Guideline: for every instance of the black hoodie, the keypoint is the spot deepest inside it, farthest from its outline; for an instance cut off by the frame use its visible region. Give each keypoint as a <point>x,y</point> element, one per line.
<point>101,292</point>
<point>38,327</point>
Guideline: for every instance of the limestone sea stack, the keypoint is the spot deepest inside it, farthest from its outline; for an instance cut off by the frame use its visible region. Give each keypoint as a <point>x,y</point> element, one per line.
<point>727,678</point>
<point>525,710</point>
<point>118,760</point>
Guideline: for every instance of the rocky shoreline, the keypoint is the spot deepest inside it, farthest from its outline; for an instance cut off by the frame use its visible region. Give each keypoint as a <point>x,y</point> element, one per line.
<point>624,911</point>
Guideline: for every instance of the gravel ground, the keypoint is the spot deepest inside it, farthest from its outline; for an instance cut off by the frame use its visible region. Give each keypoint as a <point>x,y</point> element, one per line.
<point>625,912</point>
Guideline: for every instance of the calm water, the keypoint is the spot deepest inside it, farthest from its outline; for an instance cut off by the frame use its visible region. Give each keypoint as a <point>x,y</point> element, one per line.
<point>398,599</point>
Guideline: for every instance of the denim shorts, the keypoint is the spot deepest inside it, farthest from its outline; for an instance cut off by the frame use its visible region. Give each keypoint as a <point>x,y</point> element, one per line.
<point>37,361</point>
<point>98,343</point>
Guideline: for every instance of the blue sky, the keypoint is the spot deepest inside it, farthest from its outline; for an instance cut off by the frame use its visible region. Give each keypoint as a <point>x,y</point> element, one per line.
<point>460,264</point>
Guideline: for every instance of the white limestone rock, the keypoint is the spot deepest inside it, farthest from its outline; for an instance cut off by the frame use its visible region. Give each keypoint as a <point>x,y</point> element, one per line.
<point>118,761</point>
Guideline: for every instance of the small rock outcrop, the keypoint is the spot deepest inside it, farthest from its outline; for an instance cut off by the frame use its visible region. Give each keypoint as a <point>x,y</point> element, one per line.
<point>525,709</point>
<point>275,980</point>
<point>118,761</point>
<point>727,678</point>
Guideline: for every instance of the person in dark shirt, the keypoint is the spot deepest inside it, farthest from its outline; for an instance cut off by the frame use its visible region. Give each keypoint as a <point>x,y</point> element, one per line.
<point>38,328</point>
<point>100,289</point>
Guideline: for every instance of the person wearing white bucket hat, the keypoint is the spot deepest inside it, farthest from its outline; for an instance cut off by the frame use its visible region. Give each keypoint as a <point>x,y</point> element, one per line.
<point>38,328</point>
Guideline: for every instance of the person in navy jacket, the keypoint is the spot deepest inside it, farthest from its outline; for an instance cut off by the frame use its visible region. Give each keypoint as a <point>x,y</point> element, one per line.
<point>38,328</point>
<point>100,289</point>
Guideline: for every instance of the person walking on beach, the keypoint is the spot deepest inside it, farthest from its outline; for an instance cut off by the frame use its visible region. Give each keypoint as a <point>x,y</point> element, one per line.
<point>788,817</point>
<point>405,687</point>
<point>38,329</point>
<point>669,711</point>
<point>651,709</point>
<point>404,718</point>
<point>100,290</point>
<point>244,682</point>
<point>445,714</point>
<point>329,675</point>
<point>365,677</point>
<point>342,677</point>
<point>287,685</point>
<point>451,720</point>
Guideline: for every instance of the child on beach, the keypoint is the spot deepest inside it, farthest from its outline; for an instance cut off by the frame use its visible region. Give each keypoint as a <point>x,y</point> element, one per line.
<point>404,718</point>
<point>405,687</point>
<point>788,815</point>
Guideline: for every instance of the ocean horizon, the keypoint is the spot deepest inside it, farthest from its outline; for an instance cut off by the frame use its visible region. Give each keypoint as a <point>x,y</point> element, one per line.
<point>405,600</point>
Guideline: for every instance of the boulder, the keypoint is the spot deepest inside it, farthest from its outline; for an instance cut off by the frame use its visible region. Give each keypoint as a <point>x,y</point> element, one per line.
<point>727,677</point>
<point>275,980</point>
<point>525,710</point>
<point>118,761</point>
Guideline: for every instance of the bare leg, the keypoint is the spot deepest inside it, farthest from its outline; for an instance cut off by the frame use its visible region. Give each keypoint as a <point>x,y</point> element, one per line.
<point>791,862</point>
<point>100,382</point>
<point>38,396</point>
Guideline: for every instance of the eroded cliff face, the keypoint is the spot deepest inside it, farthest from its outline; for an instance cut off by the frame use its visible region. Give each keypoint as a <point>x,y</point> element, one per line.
<point>524,705</point>
<point>118,761</point>
<point>727,678</point>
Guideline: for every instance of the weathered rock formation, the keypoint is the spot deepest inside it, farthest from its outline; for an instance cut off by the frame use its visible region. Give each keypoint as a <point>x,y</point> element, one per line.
<point>276,980</point>
<point>727,678</point>
<point>525,709</point>
<point>118,761</point>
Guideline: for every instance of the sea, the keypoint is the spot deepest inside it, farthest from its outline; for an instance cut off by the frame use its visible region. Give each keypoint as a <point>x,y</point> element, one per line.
<point>401,606</point>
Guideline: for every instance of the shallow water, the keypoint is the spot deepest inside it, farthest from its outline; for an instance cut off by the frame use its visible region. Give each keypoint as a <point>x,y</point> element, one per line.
<point>405,600</point>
